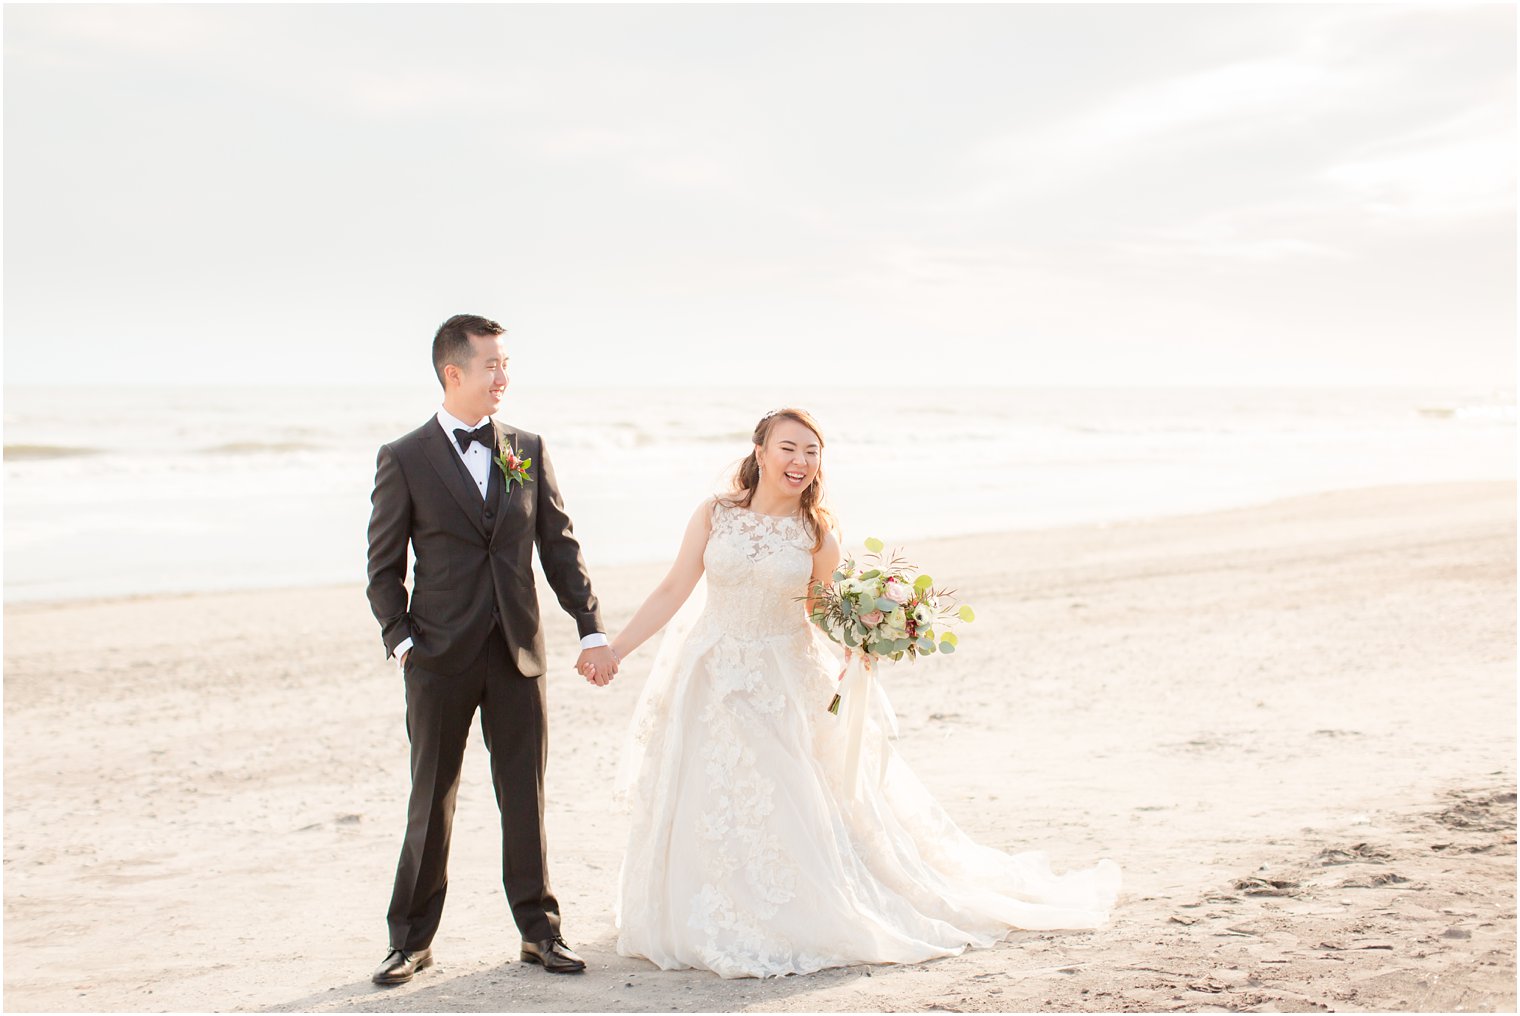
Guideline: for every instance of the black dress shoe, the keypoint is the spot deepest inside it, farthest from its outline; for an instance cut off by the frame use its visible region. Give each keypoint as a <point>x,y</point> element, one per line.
<point>400,965</point>
<point>553,955</point>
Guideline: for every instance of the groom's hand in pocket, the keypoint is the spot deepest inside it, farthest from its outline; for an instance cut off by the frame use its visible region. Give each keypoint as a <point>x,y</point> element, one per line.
<point>598,664</point>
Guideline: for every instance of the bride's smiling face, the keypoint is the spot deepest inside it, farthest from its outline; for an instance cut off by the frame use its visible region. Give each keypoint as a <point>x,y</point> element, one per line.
<point>790,458</point>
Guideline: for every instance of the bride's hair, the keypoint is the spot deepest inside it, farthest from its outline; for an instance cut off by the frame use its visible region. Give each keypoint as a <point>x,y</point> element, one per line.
<point>816,516</point>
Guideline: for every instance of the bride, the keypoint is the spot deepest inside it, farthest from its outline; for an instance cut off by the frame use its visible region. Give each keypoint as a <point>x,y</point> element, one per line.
<point>748,855</point>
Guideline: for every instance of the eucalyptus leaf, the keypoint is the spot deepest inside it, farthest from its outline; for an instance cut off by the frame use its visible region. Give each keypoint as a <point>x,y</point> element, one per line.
<point>946,648</point>
<point>922,583</point>
<point>966,613</point>
<point>874,545</point>
<point>885,605</point>
<point>874,573</point>
<point>951,638</point>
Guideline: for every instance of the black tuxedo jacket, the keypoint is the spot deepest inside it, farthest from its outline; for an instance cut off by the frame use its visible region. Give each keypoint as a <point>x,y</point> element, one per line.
<point>473,556</point>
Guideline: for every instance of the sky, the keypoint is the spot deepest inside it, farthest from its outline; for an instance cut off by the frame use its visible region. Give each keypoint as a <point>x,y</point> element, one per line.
<point>705,195</point>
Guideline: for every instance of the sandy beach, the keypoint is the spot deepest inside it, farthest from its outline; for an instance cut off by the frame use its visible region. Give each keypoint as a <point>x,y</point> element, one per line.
<point>1292,726</point>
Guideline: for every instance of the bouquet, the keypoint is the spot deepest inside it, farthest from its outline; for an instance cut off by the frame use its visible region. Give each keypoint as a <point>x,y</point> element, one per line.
<point>885,610</point>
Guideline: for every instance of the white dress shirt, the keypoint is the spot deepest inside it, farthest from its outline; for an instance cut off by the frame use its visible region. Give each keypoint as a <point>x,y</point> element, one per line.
<point>477,459</point>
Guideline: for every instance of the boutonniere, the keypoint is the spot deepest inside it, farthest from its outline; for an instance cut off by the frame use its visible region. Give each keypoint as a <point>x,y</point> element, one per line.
<point>514,469</point>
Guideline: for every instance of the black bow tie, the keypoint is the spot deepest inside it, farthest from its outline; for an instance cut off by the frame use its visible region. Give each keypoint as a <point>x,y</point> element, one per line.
<point>486,435</point>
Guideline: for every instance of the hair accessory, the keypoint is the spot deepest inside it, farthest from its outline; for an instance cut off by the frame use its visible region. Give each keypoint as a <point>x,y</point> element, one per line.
<point>767,416</point>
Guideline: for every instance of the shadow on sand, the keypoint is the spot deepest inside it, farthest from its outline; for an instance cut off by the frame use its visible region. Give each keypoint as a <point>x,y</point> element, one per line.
<point>611,983</point>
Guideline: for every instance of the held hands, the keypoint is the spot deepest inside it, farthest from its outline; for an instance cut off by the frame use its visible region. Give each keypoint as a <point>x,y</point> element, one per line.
<point>598,666</point>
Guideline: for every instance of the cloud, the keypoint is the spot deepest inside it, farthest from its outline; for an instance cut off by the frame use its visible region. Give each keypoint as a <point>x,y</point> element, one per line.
<point>1222,241</point>
<point>403,91</point>
<point>1461,168</point>
<point>1218,95</point>
<point>77,34</point>
<point>1156,120</point>
<point>673,160</point>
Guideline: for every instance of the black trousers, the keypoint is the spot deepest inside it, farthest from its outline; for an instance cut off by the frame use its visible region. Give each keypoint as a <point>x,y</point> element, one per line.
<point>514,719</point>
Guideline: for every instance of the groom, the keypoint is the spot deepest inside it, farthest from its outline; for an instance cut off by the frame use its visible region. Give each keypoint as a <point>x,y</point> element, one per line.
<point>473,497</point>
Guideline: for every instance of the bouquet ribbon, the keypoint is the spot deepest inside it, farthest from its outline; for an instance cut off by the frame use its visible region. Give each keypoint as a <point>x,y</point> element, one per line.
<point>861,693</point>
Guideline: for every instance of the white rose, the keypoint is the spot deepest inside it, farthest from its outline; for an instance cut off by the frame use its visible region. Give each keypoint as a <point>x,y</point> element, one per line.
<point>899,591</point>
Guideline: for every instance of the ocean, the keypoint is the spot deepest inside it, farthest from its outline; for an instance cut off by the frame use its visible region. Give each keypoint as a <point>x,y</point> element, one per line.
<point>143,490</point>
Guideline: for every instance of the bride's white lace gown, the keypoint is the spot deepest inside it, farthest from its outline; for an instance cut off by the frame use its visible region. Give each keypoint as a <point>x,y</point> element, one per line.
<point>746,854</point>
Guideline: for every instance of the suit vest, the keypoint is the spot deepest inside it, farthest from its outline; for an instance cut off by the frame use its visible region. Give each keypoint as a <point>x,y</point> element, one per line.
<point>492,506</point>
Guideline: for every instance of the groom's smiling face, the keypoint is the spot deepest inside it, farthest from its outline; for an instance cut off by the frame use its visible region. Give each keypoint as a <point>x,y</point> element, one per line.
<point>475,389</point>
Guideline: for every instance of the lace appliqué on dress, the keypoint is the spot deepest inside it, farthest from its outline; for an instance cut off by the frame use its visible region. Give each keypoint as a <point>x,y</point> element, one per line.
<point>744,855</point>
